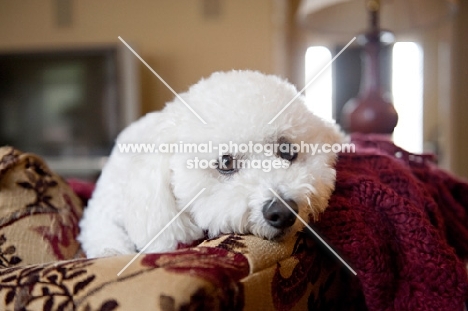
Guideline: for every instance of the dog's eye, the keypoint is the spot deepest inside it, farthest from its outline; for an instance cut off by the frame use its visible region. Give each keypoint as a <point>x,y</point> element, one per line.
<point>227,164</point>
<point>286,153</point>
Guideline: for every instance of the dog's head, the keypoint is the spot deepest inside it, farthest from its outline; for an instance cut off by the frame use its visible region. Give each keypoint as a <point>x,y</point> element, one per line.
<point>249,185</point>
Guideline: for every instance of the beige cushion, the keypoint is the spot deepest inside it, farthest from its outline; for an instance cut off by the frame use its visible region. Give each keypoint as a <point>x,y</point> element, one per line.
<point>39,213</point>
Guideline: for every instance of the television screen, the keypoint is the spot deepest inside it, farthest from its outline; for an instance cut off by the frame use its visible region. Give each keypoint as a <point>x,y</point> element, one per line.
<point>67,105</point>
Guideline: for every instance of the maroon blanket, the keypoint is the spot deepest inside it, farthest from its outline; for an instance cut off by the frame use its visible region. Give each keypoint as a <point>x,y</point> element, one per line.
<point>400,223</point>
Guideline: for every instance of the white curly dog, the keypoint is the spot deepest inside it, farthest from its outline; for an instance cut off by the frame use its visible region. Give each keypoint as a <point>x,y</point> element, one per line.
<point>139,193</point>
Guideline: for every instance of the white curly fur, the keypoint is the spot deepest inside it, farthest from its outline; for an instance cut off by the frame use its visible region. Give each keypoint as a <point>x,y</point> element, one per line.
<point>138,194</point>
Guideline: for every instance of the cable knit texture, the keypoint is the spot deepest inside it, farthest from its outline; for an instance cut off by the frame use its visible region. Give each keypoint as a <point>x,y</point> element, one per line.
<point>400,222</point>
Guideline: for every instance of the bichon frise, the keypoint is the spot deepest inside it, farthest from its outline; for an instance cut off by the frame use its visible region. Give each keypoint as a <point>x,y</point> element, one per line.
<point>139,193</point>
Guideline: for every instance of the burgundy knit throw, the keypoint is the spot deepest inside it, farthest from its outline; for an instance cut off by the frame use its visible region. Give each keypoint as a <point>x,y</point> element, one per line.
<point>402,224</point>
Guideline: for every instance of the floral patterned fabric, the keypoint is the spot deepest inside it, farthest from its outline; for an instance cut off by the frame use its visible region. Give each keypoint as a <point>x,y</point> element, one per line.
<point>39,213</point>
<point>206,277</point>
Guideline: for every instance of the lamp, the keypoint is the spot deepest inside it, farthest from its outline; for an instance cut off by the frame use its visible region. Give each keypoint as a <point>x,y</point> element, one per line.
<point>372,110</point>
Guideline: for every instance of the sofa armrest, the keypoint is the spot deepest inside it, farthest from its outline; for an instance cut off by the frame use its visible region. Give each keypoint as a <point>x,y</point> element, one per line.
<point>228,273</point>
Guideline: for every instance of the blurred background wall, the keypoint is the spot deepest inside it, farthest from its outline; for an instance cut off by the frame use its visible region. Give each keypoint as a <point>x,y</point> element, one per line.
<point>181,40</point>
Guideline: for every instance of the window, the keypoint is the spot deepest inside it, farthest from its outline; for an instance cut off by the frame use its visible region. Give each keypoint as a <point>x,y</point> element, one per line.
<point>406,83</point>
<point>319,93</point>
<point>407,95</point>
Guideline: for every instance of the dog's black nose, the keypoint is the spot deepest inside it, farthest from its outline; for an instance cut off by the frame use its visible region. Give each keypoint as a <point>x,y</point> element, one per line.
<point>279,215</point>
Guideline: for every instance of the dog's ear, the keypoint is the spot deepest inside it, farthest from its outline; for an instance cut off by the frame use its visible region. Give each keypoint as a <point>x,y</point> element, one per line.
<point>137,179</point>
